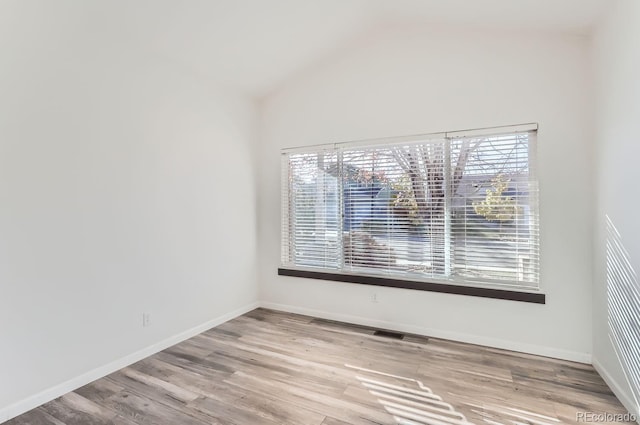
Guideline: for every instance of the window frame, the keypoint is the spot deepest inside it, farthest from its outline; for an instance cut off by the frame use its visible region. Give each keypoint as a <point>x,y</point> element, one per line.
<point>481,288</point>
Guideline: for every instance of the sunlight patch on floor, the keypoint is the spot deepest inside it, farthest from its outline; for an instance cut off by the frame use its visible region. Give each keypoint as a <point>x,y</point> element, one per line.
<point>410,402</point>
<point>413,404</point>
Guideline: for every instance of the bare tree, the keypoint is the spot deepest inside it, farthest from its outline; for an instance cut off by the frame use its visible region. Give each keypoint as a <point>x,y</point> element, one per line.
<point>426,165</point>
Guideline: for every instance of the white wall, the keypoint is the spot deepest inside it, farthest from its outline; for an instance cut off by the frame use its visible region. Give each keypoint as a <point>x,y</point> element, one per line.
<point>126,186</point>
<point>408,81</point>
<point>617,61</point>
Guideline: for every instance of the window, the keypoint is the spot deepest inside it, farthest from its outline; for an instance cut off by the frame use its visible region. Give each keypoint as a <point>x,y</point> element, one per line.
<point>455,208</point>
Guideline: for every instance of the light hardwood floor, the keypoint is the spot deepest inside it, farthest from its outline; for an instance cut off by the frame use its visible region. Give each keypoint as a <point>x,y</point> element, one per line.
<point>267,367</point>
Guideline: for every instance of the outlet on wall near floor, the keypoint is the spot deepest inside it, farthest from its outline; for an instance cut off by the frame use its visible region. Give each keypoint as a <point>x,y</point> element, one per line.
<point>146,320</point>
<point>374,297</point>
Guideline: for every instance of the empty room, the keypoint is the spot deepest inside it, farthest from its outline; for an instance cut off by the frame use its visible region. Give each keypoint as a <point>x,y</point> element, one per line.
<point>319,212</point>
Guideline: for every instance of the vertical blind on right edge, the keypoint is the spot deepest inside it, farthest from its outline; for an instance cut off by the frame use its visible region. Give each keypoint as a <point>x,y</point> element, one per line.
<point>459,209</point>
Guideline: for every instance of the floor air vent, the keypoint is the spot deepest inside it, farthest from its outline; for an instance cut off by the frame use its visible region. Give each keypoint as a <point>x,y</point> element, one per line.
<point>389,334</point>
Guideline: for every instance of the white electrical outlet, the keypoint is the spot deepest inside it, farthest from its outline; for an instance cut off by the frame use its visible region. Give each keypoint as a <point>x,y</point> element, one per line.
<point>374,297</point>
<point>146,320</point>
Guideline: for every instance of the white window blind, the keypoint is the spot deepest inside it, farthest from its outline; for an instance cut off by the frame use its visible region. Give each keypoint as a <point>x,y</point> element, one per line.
<point>452,208</point>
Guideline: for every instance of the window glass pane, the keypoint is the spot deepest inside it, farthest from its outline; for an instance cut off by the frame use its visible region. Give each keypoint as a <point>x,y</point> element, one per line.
<point>493,232</point>
<point>394,208</point>
<point>314,211</point>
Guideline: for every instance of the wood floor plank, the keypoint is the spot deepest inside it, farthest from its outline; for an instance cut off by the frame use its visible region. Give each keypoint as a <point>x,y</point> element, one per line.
<point>35,417</point>
<point>99,390</point>
<point>333,421</point>
<point>257,410</point>
<point>268,367</point>
<point>146,411</point>
<point>68,415</point>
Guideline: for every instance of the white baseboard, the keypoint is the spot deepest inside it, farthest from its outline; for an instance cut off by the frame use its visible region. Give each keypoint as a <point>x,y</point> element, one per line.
<point>58,390</point>
<point>625,398</point>
<point>435,333</point>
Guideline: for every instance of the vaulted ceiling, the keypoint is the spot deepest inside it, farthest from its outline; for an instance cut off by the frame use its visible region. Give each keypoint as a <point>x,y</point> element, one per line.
<point>254,45</point>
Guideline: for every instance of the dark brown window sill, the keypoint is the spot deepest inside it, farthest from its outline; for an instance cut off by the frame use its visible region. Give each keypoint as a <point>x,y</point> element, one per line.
<point>474,291</point>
